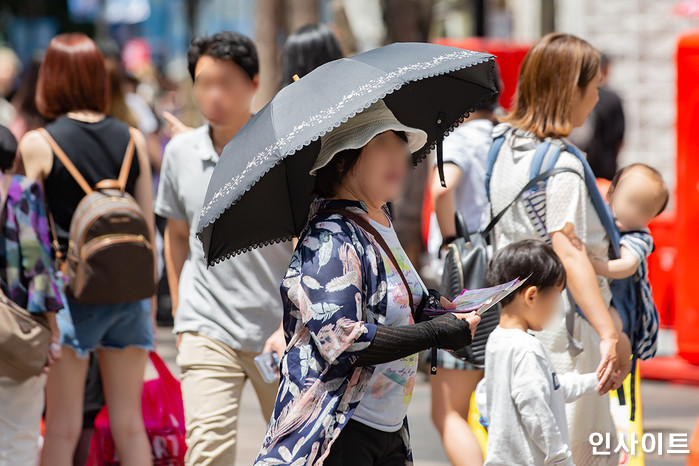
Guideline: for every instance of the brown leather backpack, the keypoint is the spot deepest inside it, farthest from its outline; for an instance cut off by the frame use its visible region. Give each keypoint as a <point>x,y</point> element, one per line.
<point>110,257</point>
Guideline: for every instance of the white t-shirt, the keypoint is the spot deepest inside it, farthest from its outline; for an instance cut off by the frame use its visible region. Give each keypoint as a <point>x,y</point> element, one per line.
<point>467,148</point>
<point>385,403</point>
<point>567,199</point>
<point>524,401</point>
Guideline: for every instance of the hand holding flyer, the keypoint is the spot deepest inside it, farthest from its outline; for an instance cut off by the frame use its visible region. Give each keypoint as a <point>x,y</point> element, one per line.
<point>479,300</point>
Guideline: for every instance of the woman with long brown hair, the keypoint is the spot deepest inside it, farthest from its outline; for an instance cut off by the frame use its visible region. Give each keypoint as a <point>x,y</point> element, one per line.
<point>73,89</point>
<point>557,89</point>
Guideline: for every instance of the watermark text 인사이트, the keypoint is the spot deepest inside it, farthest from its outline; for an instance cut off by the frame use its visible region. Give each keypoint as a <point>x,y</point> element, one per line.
<point>657,443</point>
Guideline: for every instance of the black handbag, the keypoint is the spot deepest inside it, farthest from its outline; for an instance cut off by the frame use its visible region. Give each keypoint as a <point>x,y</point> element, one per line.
<point>466,267</point>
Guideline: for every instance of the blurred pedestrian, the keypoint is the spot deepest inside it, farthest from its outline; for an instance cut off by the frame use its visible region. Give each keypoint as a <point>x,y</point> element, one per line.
<point>522,396</point>
<point>607,126</point>
<point>73,88</point>
<point>557,90</point>
<point>118,108</point>
<point>27,116</point>
<point>27,279</point>
<point>347,380</point>
<point>226,315</point>
<point>10,69</point>
<point>465,157</point>
<point>306,49</point>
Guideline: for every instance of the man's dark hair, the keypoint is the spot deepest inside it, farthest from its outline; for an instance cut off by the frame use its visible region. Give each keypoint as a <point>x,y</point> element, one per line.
<point>226,45</point>
<point>329,177</point>
<point>528,258</point>
<point>8,148</point>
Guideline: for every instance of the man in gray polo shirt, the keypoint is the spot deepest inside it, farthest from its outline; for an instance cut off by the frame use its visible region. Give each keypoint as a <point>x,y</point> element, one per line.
<point>228,314</point>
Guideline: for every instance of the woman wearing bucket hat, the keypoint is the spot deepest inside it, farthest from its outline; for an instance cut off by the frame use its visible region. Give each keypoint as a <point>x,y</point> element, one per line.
<point>352,308</point>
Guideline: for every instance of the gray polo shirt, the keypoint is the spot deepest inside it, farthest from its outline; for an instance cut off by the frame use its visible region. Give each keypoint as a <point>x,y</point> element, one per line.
<point>237,301</point>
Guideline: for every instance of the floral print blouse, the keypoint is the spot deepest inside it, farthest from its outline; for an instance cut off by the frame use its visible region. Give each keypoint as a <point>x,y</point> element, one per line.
<point>25,251</point>
<point>334,295</point>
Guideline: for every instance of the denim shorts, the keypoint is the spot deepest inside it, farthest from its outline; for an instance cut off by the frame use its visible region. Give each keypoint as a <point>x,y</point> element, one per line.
<point>86,327</point>
<point>447,360</point>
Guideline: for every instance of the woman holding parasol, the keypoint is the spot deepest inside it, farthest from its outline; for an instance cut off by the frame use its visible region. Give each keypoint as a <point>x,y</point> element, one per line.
<point>352,301</point>
<point>348,305</point>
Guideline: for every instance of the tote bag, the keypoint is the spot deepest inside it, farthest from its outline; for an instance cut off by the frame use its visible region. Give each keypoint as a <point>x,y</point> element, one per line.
<point>163,415</point>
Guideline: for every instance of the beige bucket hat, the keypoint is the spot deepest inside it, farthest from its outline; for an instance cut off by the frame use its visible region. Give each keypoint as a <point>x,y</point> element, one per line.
<point>356,132</point>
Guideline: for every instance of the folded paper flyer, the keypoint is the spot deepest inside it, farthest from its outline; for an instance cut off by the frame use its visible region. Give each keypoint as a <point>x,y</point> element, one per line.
<point>479,300</point>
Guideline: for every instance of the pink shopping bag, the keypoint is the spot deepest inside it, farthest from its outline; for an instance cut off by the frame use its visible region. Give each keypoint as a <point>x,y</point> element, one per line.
<point>163,415</point>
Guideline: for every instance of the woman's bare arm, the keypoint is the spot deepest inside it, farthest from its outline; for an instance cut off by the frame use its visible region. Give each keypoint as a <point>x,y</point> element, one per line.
<point>143,193</point>
<point>37,156</point>
<point>444,200</point>
<point>583,285</point>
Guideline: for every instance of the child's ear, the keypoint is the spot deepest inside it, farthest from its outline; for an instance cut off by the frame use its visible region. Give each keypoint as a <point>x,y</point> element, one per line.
<point>530,294</point>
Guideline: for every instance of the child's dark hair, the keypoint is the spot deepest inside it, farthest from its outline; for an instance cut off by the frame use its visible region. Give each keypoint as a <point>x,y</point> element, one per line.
<point>528,258</point>
<point>652,173</point>
<point>8,148</point>
<point>226,45</point>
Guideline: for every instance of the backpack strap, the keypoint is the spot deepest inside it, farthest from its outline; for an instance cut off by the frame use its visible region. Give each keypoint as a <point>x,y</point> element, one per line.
<point>492,157</point>
<point>603,211</point>
<point>128,160</point>
<point>75,173</point>
<point>58,152</point>
<point>540,153</point>
<point>379,239</point>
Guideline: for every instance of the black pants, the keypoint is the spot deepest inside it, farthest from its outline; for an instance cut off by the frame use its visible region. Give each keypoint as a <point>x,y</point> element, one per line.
<point>361,445</point>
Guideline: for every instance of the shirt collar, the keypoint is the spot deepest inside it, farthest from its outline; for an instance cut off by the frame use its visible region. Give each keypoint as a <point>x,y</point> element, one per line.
<point>204,146</point>
<point>327,204</point>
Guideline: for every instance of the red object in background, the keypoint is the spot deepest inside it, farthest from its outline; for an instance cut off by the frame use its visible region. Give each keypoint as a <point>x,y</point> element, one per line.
<point>508,55</point>
<point>662,266</point>
<point>687,274</point>
<point>163,416</point>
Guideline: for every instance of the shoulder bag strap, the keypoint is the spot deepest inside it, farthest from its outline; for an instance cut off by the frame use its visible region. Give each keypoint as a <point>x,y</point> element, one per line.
<point>66,161</point>
<point>379,239</point>
<point>128,160</point>
<point>5,183</point>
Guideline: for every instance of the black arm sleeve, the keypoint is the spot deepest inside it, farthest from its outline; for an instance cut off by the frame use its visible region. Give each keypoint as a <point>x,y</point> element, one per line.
<point>391,343</point>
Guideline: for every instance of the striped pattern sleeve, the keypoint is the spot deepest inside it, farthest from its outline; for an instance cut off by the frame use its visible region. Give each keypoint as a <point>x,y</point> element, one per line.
<point>638,242</point>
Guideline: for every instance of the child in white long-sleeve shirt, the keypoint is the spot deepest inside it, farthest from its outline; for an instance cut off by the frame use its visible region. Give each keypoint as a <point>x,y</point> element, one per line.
<point>521,395</point>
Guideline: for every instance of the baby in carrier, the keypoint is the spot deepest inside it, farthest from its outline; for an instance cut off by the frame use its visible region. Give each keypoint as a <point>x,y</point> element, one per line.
<point>636,195</point>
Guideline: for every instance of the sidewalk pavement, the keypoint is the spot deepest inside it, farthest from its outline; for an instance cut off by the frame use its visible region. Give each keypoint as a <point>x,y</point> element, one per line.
<point>666,408</point>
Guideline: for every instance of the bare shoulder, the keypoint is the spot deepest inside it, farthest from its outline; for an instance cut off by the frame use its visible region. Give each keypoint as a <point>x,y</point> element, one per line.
<point>141,146</point>
<point>36,154</point>
<point>33,142</point>
<point>138,136</point>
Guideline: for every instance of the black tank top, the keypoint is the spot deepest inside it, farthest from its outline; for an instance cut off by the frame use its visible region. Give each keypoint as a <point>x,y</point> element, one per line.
<point>97,150</point>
